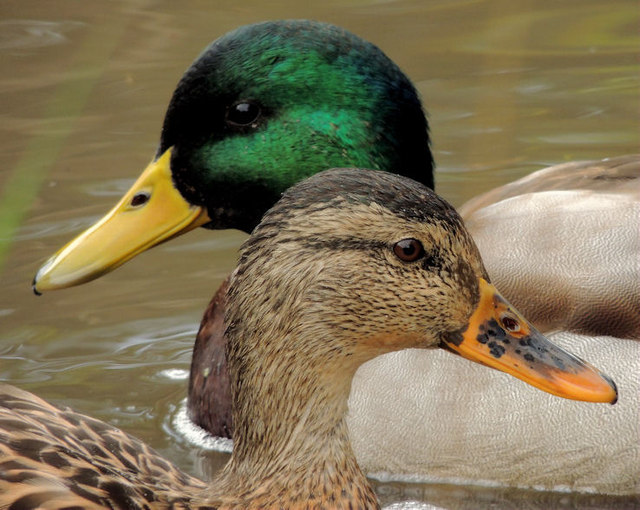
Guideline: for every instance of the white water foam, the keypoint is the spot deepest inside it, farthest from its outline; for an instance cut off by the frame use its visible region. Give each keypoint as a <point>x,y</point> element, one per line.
<point>196,435</point>
<point>412,505</point>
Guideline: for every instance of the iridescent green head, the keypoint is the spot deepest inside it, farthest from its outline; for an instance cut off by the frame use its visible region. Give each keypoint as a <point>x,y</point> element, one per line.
<point>262,108</point>
<point>270,104</point>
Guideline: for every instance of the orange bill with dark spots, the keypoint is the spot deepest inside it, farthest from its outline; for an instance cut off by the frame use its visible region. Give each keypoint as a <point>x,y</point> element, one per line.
<point>499,337</point>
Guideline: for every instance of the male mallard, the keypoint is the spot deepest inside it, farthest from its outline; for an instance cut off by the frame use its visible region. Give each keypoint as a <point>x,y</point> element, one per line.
<point>264,106</point>
<point>349,265</point>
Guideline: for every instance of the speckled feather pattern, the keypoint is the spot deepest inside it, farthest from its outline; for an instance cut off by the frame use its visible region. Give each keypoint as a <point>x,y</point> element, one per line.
<point>317,293</point>
<point>326,253</point>
<point>572,445</point>
<point>55,458</point>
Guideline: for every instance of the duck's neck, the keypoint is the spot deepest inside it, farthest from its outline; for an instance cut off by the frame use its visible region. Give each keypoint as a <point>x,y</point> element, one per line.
<point>291,442</point>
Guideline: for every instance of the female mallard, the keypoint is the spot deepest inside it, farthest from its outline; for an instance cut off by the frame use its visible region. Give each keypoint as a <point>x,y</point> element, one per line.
<point>348,265</point>
<point>270,103</point>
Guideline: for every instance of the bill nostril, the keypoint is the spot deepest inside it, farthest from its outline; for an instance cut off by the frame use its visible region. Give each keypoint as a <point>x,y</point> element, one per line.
<point>509,323</point>
<point>140,198</point>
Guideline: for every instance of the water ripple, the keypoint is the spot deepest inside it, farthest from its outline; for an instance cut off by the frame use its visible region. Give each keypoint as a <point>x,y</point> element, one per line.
<point>27,33</point>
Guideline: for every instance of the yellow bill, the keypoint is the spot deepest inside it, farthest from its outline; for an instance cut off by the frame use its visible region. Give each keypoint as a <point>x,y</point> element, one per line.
<point>151,212</point>
<point>499,337</point>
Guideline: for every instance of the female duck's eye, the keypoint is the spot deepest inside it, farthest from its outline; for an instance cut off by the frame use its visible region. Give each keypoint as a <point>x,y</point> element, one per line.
<point>408,250</point>
<point>243,113</point>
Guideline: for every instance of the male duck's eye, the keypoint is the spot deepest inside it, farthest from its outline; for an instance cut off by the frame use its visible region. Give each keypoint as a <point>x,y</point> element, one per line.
<point>243,113</point>
<point>408,250</point>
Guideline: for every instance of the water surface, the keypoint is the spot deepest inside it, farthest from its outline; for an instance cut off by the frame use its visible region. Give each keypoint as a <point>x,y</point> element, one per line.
<point>510,87</point>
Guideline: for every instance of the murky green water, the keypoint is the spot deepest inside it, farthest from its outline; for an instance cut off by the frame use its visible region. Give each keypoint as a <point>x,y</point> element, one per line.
<point>509,86</point>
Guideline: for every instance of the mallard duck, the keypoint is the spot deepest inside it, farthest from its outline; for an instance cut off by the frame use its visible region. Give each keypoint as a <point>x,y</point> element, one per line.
<point>564,243</point>
<point>232,141</point>
<point>259,109</point>
<point>349,265</point>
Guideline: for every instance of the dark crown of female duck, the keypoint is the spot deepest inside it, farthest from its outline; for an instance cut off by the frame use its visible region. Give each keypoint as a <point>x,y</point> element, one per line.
<point>269,104</point>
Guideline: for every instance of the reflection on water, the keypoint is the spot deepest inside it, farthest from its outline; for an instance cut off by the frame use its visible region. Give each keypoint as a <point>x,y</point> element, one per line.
<point>510,87</point>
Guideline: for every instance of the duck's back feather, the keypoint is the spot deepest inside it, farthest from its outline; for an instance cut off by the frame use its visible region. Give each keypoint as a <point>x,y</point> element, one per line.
<point>57,458</point>
<point>468,424</point>
<point>611,175</point>
<point>563,244</point>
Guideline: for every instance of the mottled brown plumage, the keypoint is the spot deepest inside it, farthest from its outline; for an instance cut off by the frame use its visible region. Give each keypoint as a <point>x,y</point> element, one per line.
<point>325,254</point>
<point>54,458</point>
<point>321,287</point>
<point>535,275</point>
<point>318,291</point>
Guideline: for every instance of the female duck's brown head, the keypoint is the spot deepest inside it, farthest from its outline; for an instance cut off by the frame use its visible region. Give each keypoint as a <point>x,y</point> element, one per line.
<point>351,264</point>
<point>348,265</point>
